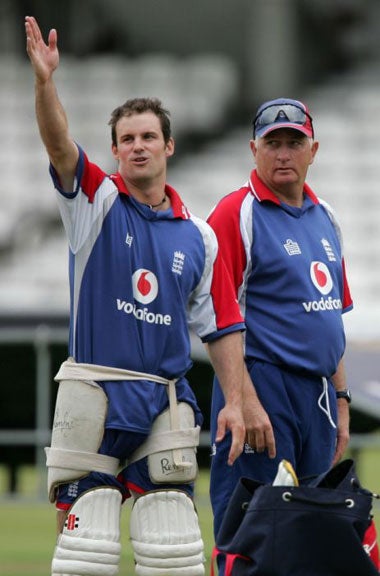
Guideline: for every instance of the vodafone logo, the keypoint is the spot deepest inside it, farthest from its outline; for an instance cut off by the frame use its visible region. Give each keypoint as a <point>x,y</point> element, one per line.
<point>321,277</point>
<point>145,290</point>
<point>145,286</point>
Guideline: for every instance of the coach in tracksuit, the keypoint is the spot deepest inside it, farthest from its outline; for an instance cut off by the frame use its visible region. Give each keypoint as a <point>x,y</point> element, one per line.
<point>283,248</point>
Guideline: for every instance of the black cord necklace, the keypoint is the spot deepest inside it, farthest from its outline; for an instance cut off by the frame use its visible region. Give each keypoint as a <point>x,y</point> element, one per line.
<point>151,206</point>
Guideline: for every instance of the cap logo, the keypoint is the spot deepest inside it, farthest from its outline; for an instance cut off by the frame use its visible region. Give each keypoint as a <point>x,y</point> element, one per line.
<point>281,115</point>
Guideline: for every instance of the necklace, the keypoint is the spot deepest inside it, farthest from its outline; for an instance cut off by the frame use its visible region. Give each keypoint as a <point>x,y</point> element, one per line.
<point>151,206</point>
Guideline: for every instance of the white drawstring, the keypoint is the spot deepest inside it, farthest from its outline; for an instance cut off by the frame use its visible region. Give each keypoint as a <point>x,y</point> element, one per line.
<point>326,409</point>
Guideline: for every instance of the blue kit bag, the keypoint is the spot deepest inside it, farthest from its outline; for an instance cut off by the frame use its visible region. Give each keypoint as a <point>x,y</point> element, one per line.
<point>315,529</point>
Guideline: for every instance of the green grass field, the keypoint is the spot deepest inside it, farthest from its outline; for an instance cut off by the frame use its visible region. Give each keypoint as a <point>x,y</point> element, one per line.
<point>27,527</point>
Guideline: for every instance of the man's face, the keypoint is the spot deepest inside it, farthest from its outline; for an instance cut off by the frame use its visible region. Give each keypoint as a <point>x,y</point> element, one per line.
<point>283,158</point>
<point>141,150</point>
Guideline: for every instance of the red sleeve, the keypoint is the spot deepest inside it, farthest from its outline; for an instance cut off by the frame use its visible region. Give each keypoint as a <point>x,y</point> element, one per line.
<point>347,300</point>
<point>223,292</point>
<point>91,178</point>
<point>225,221</point>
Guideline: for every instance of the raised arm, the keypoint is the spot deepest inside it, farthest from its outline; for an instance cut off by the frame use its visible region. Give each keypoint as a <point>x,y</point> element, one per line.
<point>51,116</point>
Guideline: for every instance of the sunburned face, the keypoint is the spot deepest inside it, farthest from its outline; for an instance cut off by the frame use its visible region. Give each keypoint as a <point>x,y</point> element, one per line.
<point>282,160</point>
<point>141,150</point>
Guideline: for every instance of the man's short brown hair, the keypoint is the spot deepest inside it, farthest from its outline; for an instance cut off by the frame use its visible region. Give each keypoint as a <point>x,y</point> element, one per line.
<point>139,106</point>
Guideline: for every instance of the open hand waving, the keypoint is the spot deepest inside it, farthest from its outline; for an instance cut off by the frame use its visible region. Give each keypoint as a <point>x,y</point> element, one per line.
<point>44,57</point>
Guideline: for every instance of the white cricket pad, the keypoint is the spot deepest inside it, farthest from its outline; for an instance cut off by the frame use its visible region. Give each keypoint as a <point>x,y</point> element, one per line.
<point>89,544</point>
<point>165,535</point>
<point>78,429</point>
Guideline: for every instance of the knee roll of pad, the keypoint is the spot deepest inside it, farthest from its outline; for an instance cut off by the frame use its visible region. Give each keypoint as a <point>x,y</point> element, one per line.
<point>165,535</point>
<point>89,544</point>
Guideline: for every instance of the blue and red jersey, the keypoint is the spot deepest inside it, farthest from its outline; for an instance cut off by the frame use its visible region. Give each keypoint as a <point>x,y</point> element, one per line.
<point>139,278</point>
<point>289,276</point>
